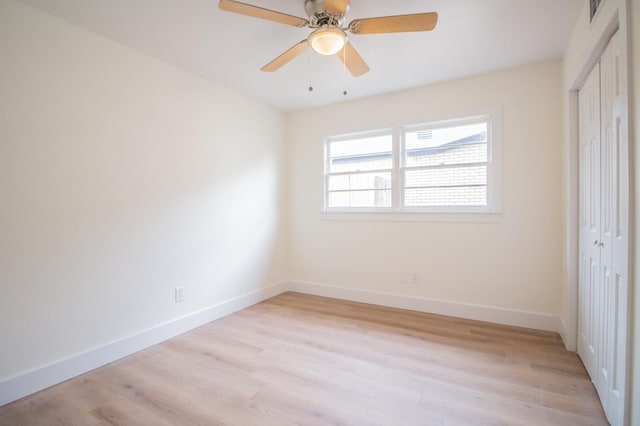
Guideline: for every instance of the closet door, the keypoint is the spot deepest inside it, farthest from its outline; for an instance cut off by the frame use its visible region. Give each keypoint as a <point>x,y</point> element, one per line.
<point>604,229</point>
<point>589,219</point>
<point>612,292</point>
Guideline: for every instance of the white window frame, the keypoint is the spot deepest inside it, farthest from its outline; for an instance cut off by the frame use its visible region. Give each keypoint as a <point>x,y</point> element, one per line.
<point>327,173</point>
<point>489,213</point>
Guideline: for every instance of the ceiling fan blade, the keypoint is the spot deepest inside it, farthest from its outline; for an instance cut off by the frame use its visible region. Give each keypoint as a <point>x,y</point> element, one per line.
<point>286,56</point>
<point>395,24</point>
<point>262,13</point>
<point>353,61</point>
<point>336,7</point>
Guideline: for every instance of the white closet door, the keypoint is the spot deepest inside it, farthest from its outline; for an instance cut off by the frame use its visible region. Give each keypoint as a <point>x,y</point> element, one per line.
<point>589,235</point>
<point>612,294</point>
<point>604,229</point>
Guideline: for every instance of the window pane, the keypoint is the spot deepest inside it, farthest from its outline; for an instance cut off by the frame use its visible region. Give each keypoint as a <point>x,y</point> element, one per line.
<point>448,145</point>
<point>360,181</point>
<point>444,197</point>
<point>379,198</point>
<point>446,177</point>
<point>361,154</point>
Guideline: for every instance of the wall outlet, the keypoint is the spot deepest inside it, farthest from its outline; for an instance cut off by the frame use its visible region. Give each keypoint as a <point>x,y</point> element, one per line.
<point>179,293</point>
<point>415,278</point>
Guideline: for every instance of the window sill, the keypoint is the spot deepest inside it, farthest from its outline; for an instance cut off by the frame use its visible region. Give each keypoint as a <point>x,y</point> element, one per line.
<point>413,216</point>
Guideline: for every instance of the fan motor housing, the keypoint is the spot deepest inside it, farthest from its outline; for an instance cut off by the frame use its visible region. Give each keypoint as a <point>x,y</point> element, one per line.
<point>319,16</point>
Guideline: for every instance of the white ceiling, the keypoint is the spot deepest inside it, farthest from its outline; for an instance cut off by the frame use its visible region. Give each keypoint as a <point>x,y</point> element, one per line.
<point>472,37</point>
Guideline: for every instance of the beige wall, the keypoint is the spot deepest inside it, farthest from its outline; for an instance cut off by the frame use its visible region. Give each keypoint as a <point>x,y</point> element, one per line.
<point>513,264</point>
<point>121,178</point>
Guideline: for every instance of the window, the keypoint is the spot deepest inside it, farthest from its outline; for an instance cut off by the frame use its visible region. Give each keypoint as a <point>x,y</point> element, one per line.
<point>359,171</point>
<point>446,166</point>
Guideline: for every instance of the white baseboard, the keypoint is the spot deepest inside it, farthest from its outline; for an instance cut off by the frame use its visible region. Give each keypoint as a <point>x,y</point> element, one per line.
<point>562,330</point>
<point>33,381</point>
<point>461,310</point>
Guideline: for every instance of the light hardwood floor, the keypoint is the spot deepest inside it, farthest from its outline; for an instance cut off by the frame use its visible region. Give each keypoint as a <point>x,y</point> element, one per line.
<point>306,360</point>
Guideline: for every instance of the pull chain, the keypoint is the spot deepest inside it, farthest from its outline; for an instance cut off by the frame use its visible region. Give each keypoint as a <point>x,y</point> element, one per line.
<point>310,70</point>
<point>344,70</point>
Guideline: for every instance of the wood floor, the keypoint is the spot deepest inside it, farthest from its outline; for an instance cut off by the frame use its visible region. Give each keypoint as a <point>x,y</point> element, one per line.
<point>307,360</point>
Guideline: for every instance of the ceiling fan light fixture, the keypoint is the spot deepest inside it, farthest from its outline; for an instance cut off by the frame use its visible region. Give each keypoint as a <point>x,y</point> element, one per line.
<point>327,41</point>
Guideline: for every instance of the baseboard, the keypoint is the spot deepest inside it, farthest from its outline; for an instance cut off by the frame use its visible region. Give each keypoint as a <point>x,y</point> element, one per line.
<point>461,310</point>
<point>33,381</point>
<point>562,330</point>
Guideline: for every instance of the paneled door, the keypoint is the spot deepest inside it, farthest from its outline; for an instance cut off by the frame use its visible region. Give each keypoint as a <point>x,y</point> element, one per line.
<point>589,217</point>
<point>604,229</point>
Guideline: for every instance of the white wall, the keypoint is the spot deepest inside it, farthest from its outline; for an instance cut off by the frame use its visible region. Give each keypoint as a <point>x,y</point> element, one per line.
<point>122,177</point>
<point>514,264</point>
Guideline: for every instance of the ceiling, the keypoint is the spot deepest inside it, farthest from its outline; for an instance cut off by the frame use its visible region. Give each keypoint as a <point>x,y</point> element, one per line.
<point>472,37</point>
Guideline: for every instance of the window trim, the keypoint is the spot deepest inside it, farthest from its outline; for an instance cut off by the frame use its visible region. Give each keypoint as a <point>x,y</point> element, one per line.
<point>327,174</point>
<point>439,125</point>
<point>490,213</point>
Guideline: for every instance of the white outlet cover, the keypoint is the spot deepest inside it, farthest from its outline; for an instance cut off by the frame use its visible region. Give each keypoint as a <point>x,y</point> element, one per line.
<point>179,294</point>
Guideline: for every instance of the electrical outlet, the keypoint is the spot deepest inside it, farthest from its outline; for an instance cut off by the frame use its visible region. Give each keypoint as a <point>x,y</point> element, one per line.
<point>415,278</point>
<point>179,293</point>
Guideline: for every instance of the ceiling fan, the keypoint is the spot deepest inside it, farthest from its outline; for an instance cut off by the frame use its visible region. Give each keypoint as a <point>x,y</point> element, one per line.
<point>327,19</point>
